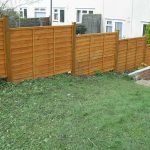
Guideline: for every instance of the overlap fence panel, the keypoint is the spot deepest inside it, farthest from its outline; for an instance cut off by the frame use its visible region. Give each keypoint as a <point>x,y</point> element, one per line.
<point>95,52</point>
<point>21,54</point>
<point>2,49</point>
<point>40,52</point>
<point>131,53</point>
<point>63,49</point>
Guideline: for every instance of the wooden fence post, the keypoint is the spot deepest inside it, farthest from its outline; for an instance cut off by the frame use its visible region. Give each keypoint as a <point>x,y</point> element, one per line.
<point>33,55</point>
<point>7,46</point>
<point>74,49</point>
<point>117,51</point>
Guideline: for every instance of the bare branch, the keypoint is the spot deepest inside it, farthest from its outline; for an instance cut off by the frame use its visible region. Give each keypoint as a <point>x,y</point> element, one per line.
<point>6,5</point>
<point>28,2</point>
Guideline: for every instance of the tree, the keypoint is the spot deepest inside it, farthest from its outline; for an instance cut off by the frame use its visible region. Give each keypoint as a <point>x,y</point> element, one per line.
<point>147,33</point>
<point>8,7</point>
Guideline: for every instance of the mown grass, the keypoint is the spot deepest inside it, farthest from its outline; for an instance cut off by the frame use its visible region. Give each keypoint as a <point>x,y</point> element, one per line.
<point>105,112</point>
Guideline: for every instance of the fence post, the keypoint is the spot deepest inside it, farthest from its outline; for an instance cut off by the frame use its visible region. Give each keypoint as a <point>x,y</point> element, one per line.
<point>7,46</point>
<point>117,51</point>
<point>33,56</point>
<point>74,49</point>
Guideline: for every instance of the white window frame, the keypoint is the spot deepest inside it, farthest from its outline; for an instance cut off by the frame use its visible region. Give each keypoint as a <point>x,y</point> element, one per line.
<point>113,25</point>
<point>120,36</point>
<point>39,10</point>
<point>22,11</point>
<point>109,25</point>
<point>88,10</point>
<point>58,13</point>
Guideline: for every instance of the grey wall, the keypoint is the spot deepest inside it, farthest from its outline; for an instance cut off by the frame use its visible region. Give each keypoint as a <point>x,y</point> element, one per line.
<point>92,22</point>
<point>29,22</point>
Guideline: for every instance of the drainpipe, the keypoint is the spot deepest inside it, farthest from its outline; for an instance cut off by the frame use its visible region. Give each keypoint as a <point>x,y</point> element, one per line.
<point>103,18</point>
<point>132,13</point>
<point>51,12</point>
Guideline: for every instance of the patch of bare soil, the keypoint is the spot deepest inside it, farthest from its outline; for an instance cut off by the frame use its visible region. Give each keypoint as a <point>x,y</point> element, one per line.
<point>145,75</point>
<point>143,78</point>
<point>143,82</point>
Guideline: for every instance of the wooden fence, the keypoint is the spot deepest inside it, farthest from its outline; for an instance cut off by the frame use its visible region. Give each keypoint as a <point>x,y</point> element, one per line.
<point>131,53</point>
<point>29,53</point>
<point>95,52</point>
<point>40,52</point>
<point>2,49</point>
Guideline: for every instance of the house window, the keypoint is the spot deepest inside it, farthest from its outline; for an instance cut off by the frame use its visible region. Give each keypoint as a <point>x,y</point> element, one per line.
<point>58,15</point>
<point>62,16</point>
<point>109,22</point>
<point>118,27</point>
<point>84,12</point>
<point>78,15</point>
<point>114,25</point>
<point>81,12</point>
<point>90,12</point>
<point>144,29</point>
<point>109,27</point>
<point>40,12</point>
<point>55,14</point>
<point>23,12</point>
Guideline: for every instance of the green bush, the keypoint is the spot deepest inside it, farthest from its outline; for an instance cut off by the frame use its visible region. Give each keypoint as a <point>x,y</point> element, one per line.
<point>147,33</point>
<point>81,29</point>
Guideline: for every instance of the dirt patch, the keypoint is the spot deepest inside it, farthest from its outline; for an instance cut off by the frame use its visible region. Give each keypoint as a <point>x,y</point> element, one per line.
<point>145,75</point>
<point>143,82</point>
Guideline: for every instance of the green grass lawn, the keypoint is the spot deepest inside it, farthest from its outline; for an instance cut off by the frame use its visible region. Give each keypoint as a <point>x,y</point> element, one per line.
<point>105,112</point>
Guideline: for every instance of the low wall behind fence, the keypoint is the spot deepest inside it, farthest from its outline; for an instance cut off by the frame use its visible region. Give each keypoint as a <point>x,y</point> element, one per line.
<point>35,52</point>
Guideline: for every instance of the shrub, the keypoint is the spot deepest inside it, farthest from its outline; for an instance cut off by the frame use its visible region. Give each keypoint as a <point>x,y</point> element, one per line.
<point>81,29</point>
<point>147,33</point>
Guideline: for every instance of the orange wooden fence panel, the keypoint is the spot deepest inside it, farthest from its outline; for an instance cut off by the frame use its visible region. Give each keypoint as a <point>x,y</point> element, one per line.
<point>148,55</point>
<point>44,51</point>
<point>2,49</point>
<point>131,53</point>
<point>40,51</point>
<point>95,52</point>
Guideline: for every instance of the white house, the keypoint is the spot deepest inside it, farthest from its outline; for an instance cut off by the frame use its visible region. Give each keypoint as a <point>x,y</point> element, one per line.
<point>128,16</point>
